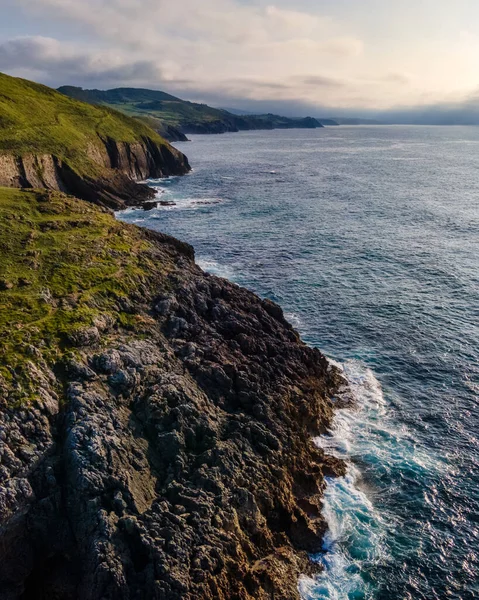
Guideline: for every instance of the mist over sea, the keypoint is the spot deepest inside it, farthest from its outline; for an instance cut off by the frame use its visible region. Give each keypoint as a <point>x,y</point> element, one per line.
<point>368,237</point>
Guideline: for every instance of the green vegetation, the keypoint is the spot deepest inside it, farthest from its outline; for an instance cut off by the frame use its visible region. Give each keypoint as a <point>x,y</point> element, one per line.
<point>150,103</point>
<point>188,117</point>
<point>35,119</point>
<point>63,263</point>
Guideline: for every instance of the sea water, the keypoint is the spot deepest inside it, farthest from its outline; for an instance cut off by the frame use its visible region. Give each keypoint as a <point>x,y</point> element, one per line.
<point>368,237</point>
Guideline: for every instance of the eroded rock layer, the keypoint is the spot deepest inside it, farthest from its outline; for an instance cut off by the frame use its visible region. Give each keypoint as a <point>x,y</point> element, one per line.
<point>123,165</point>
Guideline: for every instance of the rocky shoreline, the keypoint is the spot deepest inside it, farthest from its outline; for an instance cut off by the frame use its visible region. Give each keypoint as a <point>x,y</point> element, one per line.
<point>123,164</point>
<point>156,422</point>
<point>166,452</point>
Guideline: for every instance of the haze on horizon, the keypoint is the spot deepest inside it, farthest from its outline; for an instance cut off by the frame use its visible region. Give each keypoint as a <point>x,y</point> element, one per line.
<point>412,59</point>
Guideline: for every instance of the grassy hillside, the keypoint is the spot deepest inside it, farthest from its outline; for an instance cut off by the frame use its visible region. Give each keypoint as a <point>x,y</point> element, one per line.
<point>35,119</point>
<point>151,103</point>
<point>188,117</point>
<point>63,263</point>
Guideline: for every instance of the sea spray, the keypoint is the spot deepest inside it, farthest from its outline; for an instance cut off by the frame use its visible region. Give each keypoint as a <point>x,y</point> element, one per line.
<point>358,543</point>
<point>354,539</point>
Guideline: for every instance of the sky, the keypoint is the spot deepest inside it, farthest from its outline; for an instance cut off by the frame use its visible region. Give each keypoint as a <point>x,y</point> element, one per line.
<point>301,57</point>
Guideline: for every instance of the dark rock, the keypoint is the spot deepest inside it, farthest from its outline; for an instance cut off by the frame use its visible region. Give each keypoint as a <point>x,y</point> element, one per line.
<point>23,282</point>
<point>149,205</point>
<point>273,309</point>
<point>166,306</point>
<point>85,336</point>
<point>79,371</point>
<point>174,464</point>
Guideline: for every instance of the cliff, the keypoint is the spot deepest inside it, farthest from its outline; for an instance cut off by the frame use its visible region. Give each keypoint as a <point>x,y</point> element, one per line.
<point>48,140</point>
<point>155,421</point>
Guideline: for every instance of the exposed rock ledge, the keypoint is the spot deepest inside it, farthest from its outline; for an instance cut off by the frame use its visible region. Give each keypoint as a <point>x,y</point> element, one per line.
<point>168,455</point>
<point>121,165</point>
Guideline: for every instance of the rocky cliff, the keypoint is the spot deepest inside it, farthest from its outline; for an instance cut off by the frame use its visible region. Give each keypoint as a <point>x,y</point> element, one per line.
<point>50,141</point>
<point>233,123</point>
<point>115,186</point>
<point>156,421</point>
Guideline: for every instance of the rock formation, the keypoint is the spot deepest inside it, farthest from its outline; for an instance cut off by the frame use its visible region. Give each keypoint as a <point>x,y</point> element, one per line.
<point>116,188</point>
<point>163,448</point>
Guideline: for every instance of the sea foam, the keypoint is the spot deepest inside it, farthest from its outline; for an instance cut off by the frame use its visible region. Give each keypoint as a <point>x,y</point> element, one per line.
<point>355,528</point>
<point>370,441</point>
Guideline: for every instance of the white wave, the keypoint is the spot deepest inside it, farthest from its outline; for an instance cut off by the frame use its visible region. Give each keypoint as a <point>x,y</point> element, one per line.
<point>355,528</point>
<point>173,202</point>
<point>357,536</point>
<point>367,405</point>
<point>294,319</point>
<point>211,266</point>
<point>159,182</point>
<point>354,540</point>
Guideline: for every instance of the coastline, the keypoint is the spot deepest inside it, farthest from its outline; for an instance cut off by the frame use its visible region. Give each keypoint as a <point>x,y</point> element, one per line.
<point>348,273</point>
<point>357,396</point>
<point>78,436</point>
<point>165,451</point>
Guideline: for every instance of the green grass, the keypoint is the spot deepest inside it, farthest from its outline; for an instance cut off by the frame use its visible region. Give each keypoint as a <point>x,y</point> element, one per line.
<point>150,103</point>
<point>63,262</point>
<point>176,112</point>
<point>35,119</point>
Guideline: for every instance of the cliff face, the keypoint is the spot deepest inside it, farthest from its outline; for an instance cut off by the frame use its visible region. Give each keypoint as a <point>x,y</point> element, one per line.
<point>50,141</point>
<point>172,134</point>
<point>209,127</point>
<point>155,426</point>
<point>234,123</point>
<point>123,163</point>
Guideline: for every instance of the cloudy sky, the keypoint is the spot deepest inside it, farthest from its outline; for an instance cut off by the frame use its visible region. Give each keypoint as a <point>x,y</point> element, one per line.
<point>366,55</point>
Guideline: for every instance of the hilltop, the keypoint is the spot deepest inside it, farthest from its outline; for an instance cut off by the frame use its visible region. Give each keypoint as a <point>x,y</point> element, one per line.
<point>175,117</point>
<point>94,152</point>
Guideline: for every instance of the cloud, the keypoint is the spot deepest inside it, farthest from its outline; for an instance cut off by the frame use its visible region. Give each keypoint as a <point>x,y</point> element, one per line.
<point>399,78</point>
<point>320,81</point>
<point>298,95</point>
<point>222,50</point>
<point>235,48</point>
<point>220,36</point>
<point>48,56</point>
<point>60,63</point>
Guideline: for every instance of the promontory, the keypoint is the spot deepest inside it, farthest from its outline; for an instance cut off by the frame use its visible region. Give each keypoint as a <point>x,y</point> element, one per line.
<point>156,421</point>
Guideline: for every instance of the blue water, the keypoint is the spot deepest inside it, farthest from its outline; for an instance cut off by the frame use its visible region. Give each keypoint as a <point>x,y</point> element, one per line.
<point>369,239</point>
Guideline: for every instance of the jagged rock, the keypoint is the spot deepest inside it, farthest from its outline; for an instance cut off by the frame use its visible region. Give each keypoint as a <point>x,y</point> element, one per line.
<point>85,336</point>
<point>175,463</point>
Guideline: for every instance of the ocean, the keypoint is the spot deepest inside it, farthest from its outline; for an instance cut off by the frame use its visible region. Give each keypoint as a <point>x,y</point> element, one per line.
<point>368,237</point>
